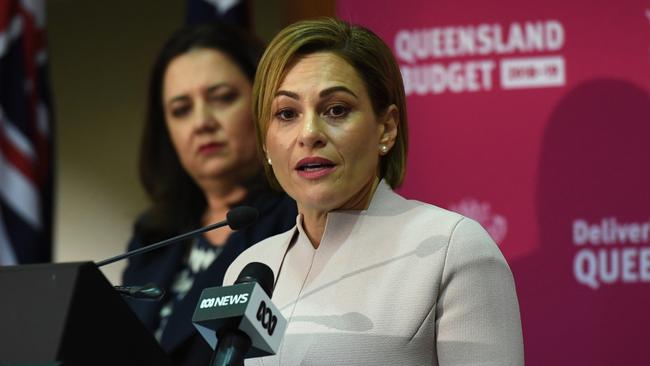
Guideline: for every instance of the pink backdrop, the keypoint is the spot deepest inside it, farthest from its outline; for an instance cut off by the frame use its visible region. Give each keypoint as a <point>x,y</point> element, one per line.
<point>534,119</point>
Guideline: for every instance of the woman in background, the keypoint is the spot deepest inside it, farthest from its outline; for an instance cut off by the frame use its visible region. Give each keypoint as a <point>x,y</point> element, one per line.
<point>366,277</point>
<point>198,160</point>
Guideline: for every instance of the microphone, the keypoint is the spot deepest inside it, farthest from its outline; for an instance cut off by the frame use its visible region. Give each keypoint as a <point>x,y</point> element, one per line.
<point>237,218</point>
<point>240,321</point>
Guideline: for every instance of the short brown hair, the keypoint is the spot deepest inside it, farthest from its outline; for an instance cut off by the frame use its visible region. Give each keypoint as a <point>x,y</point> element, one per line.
<point>363,50</point>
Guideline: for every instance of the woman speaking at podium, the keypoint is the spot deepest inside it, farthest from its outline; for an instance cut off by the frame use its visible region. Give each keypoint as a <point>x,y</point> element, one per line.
<point>198,159</point>
<point>366,277</point>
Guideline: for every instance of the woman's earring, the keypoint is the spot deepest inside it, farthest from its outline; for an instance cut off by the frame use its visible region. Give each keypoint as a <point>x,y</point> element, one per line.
<point>269,161</point>
<point>383,149</point>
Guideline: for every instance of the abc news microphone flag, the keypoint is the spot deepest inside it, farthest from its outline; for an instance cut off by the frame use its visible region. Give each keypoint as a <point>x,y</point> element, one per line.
<point>245,307</point>
<point>533,118</point>
<point>25,135</point>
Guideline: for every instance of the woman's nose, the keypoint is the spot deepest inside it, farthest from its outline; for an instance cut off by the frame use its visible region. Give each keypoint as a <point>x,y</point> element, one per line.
<point>205,119</point>
<point>311,133</point>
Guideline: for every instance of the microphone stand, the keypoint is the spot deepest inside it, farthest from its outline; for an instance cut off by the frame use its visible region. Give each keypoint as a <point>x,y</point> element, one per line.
<point>162,243</point>
<point>231,349</point>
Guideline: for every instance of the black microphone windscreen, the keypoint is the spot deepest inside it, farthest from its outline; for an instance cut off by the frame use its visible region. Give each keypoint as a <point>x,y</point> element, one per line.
<point>260,273</point>
<point>241,217</point>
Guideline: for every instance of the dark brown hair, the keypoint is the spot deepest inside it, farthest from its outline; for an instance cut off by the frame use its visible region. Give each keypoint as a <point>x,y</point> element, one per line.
<point>177,202</point>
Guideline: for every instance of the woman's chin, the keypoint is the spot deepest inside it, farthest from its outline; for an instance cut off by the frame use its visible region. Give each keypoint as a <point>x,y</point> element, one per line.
<point>222,169</point>
<point>319,200</point>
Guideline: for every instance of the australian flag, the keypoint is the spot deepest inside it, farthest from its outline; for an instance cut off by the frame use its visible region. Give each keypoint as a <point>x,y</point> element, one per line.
<point>235,12</point>
<point>25,135</point>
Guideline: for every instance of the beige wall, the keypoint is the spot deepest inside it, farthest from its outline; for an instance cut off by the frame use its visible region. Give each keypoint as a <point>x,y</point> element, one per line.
<point>100,56</point>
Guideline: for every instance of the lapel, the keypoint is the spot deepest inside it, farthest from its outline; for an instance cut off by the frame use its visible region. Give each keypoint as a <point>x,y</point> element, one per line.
<point>275,258</point>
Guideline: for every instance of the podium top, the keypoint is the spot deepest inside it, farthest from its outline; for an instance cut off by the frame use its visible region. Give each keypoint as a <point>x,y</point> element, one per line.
<point>68,313</point>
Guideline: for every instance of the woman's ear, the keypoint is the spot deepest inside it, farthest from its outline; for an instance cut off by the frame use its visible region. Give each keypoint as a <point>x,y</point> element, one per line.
<point>389,122</point>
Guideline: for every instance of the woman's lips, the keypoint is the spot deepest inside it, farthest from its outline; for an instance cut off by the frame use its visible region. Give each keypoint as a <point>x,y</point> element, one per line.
<point>314,167</point>
<point>210,148</point>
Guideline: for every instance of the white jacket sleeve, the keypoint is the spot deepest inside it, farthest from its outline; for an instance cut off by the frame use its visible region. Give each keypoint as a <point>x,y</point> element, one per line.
<point>477,313</point>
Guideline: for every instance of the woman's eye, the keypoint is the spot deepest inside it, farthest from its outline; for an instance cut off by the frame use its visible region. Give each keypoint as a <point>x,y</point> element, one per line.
<point>180,112</point>
<point>337,111</point>
<point>224,97</point>
<point>286,114</point>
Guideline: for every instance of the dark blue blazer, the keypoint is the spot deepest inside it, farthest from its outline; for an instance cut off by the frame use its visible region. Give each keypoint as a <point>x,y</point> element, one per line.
<point>180,339</point>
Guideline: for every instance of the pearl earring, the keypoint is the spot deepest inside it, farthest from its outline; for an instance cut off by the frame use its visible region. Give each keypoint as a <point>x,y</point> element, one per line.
<point>383,148</point>
<point>269,161</point>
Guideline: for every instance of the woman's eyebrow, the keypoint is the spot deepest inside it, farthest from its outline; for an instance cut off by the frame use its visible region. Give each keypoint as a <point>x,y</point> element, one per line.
<point>335,89</point>
<point>216,86</point>
<point>178,98</point>
<point>287,94</point>
<point>322,94</point>
<point>209,89</point>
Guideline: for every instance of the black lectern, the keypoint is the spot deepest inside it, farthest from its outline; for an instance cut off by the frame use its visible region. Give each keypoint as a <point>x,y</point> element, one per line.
<point>69,314</point>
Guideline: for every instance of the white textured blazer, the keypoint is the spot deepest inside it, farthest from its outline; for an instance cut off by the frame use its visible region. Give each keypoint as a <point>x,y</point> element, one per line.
<point>401,283</point>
